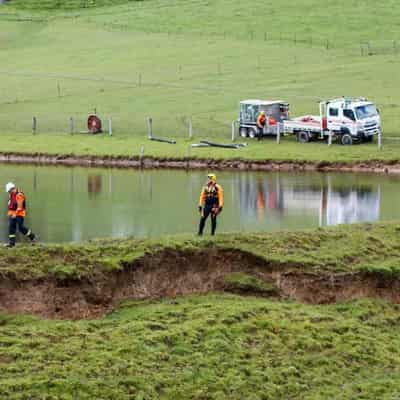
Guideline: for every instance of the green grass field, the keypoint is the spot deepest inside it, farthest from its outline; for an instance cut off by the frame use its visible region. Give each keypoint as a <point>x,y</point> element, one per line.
<point>365,248</point>
<point>102,146</point>
<point>208,347</point>
<point>177,60</point>
<point>214,346</point>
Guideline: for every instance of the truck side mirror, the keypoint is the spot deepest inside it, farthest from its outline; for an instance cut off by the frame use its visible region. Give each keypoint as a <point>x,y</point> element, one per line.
<point>377,110</point>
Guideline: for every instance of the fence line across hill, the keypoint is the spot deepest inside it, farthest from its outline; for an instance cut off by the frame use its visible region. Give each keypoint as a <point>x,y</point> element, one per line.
<point>188,129</point>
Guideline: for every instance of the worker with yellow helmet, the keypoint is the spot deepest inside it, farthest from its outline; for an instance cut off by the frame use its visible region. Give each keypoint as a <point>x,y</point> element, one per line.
<point>210,203</point>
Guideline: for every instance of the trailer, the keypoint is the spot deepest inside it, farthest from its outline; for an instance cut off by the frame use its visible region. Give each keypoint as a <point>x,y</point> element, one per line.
<point>346,120</point>
<point>276,112</point>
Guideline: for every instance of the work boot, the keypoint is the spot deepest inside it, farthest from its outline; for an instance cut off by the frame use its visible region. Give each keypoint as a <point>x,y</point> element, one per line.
<point>31,236</point>
<point>9,245</point>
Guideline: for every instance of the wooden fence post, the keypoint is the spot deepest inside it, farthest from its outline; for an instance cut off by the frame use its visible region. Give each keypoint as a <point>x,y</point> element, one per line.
<point>233,127</point>
<point>110,126</point>
<point>329,138</point>
<point>190,128</point>
<point>379,140</point>
<point>71,125</point>
<point>34,125</point>
<point>149,127</point>
<point>278,132</point>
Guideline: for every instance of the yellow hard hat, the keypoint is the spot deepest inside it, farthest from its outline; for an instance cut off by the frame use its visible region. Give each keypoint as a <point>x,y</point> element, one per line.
<point>213,177</point>
<point>262,112</point>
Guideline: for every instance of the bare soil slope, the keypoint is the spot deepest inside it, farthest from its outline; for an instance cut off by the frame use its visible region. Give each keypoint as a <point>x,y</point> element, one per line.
<point>175,273</point>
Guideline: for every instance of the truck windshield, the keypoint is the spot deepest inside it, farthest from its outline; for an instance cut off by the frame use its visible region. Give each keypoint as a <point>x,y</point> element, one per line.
<point>366,111</point>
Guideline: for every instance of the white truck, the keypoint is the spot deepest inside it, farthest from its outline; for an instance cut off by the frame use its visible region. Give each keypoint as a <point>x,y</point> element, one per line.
<point>347,120</point>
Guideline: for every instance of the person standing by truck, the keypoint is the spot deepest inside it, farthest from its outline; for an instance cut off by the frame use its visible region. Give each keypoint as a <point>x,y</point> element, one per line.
<point>210,203</point>
<point>261,121</point>
<point>16,214</point>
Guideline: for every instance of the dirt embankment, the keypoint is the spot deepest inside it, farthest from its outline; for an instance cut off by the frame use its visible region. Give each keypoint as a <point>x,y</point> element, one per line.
<point>172,273</point>
<point>188,163</point>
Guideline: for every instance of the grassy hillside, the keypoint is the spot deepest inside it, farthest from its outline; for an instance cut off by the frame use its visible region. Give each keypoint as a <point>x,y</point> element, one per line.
<point>216,346</point>
<point>65,5</point>
<point>210,347</point>
<point>345,248</point>
<point>176,60</point>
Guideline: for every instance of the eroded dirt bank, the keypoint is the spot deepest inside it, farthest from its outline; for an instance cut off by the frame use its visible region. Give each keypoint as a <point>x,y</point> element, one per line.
<point>172,273</point>
<point>184,163</point>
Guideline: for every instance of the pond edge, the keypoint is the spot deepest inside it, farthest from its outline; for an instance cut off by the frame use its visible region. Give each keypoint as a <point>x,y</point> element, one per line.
<point>136,162</point>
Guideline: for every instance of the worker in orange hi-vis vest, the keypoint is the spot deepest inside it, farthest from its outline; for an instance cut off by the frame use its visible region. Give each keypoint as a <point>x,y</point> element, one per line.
<point>261,121</point>
<point>210,203</point>
<point>16,214</point>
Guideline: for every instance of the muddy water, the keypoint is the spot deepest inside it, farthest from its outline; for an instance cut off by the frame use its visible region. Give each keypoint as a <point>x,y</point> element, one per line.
<point>75,204</point>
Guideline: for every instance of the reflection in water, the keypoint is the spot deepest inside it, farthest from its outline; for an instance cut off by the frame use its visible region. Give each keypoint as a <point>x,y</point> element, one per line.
<point>260,195</point>
<point>74,204</point>
<point>94,184</point>
<point>333,205</point>
<point>353,204</point>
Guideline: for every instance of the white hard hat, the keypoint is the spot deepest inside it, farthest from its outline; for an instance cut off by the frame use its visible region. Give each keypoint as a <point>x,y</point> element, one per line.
<point>9,186</point>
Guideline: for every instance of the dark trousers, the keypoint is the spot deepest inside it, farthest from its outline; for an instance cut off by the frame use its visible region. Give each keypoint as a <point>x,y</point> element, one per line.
<point>206,212</point>
<point>13,225</point>
<point>260,133</point>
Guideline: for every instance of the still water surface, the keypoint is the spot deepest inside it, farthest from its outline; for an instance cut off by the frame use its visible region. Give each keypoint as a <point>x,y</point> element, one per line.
<point>75,204</point>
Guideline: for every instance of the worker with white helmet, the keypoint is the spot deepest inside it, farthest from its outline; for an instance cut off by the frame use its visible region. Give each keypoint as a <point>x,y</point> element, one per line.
<point>16,214</point>
<point>210,203</point>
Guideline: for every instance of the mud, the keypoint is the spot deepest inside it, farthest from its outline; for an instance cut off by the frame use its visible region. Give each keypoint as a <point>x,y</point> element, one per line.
<point>173,273</point>
<point>392,167</point>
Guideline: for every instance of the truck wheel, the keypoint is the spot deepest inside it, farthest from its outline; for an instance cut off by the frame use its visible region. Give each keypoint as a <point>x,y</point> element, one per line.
<point>346,139</point>
<point>243,131</point>
<point>253,132</point>
<point>303,137</point>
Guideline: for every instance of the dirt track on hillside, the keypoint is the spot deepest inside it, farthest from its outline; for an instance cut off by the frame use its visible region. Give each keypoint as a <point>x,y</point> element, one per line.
<point>173,273</point>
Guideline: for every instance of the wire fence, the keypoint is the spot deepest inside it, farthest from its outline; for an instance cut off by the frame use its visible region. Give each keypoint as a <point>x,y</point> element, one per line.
<point>181,128</point>
<point>366,47</point>
<point>379,47</point>
<point>178,127</point>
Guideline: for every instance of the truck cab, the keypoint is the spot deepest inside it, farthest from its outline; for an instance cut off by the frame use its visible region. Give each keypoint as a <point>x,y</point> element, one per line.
<point>350,119</point>
<point>276,112</point>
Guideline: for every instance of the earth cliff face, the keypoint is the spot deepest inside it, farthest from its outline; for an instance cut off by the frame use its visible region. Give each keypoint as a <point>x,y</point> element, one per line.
<point>176,273</point>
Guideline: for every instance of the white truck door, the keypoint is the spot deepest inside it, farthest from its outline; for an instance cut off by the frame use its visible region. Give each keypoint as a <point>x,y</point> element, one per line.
<point>334,119</point>
<point>349,120</point>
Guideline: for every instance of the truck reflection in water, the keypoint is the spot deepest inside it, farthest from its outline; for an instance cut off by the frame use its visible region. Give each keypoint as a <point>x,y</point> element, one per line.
<point>358,204</point>
<point>275,197</point>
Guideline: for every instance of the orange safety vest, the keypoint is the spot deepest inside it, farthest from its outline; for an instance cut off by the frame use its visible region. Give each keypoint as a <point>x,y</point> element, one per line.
<point>16,204</point>
<point>261,120</point>
<point>212,195</point>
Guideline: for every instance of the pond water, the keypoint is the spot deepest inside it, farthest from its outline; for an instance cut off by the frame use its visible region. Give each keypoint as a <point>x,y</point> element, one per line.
<point>75,204</point>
